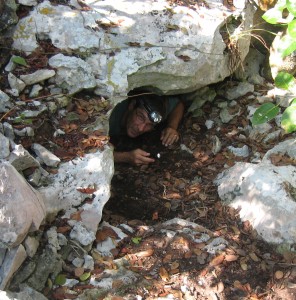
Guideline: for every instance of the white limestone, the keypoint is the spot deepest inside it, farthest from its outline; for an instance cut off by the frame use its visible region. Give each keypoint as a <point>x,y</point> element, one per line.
<point>264,193</point>
<point>15,192</point>
<point>175,52</point>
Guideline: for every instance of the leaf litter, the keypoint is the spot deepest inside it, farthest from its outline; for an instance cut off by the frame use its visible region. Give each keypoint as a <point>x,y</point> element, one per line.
<point>177,185</point>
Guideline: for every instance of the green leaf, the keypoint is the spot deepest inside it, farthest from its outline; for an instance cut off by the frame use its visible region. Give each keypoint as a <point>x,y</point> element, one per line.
<point>284,80</point>
<point>289,119</point>
<point>292,29</point>
<point>287,45</point>
<point>19,60</point>
<point>291,5</point>
<point>281,4</point>
<point>136,240</point>
<point>265,113</point>
<point>293,102</point>
<point>60,279</point>
<point>84,276</point>
<point>273,15</point>
<point>17,119</point>
<point>28,121</point>
<point>72,116</point>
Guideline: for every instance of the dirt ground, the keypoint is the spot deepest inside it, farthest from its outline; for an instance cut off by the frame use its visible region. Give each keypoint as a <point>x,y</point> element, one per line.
<point>180,184</point>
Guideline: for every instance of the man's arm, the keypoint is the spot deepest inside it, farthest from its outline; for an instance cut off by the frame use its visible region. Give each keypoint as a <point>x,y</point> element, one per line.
<point>170,134</point>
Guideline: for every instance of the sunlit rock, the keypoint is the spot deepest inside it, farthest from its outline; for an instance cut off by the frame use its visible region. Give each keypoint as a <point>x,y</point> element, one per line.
<point>139,43</point>
<point>264,193</point>
<point>15,192</point>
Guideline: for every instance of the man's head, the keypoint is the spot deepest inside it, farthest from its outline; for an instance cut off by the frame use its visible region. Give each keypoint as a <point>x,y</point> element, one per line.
<point>145,112</point>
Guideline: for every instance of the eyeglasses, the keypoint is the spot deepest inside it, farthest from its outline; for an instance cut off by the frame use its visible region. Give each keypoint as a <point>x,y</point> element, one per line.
<point>143,120</point>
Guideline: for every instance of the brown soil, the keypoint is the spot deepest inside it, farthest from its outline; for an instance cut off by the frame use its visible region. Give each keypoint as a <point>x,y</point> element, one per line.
<point>180,185</point>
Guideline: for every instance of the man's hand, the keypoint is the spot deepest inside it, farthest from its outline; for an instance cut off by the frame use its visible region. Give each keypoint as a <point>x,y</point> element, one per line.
<point>134,157</point>
<point>169,136</point>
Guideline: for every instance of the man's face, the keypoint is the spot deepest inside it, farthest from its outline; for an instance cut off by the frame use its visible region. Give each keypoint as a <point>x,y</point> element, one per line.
<point>138,122</point>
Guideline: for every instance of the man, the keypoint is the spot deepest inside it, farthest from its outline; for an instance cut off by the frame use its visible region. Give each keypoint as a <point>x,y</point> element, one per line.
<point>140,114</point>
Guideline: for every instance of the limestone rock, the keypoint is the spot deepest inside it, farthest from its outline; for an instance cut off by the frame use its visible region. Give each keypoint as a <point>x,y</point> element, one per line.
<point>45,155</point>
<point>175,50</point>
<point>4,146</point>
<point>265,195</point>
<point>37,76</point>
<point>240,90</point>
<point>94,169</point>
<point>16,83</point>
<point>21,159</point>
<point>5,103</point>
<point>28,2</point>
<point>16,192</point>
<point>25,293</point>
<point>73,73</point>
<point>13,260</point>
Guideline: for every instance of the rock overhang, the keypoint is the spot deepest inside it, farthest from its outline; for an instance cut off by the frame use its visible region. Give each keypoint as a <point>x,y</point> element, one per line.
<point>176,48</point>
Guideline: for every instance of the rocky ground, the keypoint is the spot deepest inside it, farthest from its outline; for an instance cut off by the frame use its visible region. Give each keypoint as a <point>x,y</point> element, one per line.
<point>178,185</point>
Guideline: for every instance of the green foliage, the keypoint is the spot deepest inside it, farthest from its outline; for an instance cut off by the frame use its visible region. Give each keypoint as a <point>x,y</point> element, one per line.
<point>21,119</point>
<point>289,117</point>
<point>60,279</point>
<point>19,60</point>
<point>283,13</point>
<point>136,240</point>
<point>284,80</point>
<point>84,276</point>
<point>265,113</point>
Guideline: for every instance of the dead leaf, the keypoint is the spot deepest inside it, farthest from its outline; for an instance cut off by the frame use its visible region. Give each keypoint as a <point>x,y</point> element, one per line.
<point>77,215</point>
<point>134,44</point>
<point>167,258</point>
<point>155,216</point>
<point>172,195</point>
<point>235,230</point>
<point>197,251</point>
<point>172,27</point>
<point>117,284</point>
<point>184,57</point>
<point>63,229</point>
<point>79,271</point>
<point>279,274</point>
<point>145,253</point>
<point>238,285</point>
<point>200,245</point>
<point>217,260</point>
<point>244,265</point>
<point>174,265</point>
<point>187,254</point>
<point>231,257</point>
<point>88,190</point>
<point>254,257</point>
<point>104,233</point>
<point>163,273</point>
<point>174,271</point>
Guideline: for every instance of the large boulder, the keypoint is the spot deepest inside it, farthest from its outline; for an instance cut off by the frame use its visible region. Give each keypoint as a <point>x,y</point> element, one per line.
<point>117,46</point>
<point>22,207</point>
<point>264,193</point>
<point>86,177</point>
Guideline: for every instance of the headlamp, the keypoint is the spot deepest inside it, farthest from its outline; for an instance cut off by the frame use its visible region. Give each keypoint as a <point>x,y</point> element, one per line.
<point>153,115</point>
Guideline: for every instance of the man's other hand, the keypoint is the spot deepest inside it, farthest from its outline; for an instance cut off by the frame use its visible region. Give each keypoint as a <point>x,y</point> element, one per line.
<point>169,136</point>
